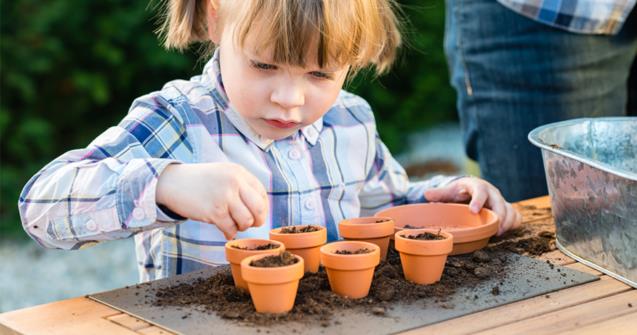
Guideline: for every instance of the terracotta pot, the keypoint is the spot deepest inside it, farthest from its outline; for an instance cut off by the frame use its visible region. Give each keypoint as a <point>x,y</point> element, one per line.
<point>273,290</point>
<point>350,275</point>
<point>368,229</point>
<point>305,245</point>
<point>470,231</point>
<point>234,256</point>
<point>423,260</point>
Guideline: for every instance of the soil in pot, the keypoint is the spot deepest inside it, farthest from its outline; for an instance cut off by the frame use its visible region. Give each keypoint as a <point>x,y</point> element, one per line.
<point>304,241</point>
<point>237,250</point>
<point>258,247</point>
<point>273,281</point>
<point>283,259</point>
<point>427,236</point>
<point>423,254</point>
<point>350,266</point>
<point>353,252</point>
<point>299,229</point>
<point>377,230</point>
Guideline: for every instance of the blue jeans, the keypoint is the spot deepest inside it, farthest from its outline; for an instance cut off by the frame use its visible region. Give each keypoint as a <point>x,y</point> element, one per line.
<point>513,74</point>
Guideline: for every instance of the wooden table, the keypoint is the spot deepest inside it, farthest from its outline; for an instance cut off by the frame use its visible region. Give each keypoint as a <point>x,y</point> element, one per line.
<point>606,306</point>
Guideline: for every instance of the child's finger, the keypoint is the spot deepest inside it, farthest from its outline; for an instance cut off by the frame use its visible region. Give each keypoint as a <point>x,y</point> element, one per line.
<point>518,219</point>
<point>240,214</point>
<point>497,205</point>
<point>255,203</point>
<point>479,196</point>
<point>227,226</point>
<point>508,219</point>
<point>253,181</point>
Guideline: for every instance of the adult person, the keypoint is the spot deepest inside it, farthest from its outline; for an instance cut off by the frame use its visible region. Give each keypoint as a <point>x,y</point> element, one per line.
<point>519,64</point>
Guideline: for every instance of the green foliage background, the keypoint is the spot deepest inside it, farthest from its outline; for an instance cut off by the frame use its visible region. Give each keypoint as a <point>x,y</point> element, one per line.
<point>70,68</point>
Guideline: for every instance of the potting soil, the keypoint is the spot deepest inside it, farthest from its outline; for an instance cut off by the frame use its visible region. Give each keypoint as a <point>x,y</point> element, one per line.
<point>494,276</point>
<point>283,259</point>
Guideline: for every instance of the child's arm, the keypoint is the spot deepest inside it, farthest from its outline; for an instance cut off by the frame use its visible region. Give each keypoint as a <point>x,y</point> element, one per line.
<point>108,190</point>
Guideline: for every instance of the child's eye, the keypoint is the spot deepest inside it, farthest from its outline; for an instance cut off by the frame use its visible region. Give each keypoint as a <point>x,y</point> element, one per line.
<point>320,75</point>
<point>262,66</point>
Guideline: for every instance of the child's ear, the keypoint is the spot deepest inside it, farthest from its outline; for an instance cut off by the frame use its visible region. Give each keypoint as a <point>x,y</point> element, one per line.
<point>212,22</point>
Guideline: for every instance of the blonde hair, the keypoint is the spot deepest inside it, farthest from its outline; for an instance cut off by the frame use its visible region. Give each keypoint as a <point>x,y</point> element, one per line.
<point>358,33</point>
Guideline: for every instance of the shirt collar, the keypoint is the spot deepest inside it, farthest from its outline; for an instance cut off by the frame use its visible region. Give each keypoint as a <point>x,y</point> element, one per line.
<point>213,71</point>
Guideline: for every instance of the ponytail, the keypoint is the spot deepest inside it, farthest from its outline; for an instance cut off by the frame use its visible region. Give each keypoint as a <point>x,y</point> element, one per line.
<point>184,22</point>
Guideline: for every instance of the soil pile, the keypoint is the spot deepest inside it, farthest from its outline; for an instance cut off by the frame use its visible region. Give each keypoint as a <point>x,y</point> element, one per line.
<point>316,303</point>
<point>531,239</point>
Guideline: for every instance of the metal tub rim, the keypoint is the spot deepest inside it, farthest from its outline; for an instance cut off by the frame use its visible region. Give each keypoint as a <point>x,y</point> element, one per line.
<point>534,138</point>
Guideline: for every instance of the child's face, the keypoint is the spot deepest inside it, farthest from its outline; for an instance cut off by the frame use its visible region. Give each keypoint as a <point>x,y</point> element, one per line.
<point>276,100</point>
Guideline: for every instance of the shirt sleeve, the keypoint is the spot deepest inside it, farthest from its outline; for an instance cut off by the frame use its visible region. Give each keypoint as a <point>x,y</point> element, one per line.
<point>106,191</point>
<point>387,183</point>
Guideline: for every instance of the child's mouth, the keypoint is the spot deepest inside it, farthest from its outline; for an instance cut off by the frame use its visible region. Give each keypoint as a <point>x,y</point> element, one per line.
<point>281,124</point>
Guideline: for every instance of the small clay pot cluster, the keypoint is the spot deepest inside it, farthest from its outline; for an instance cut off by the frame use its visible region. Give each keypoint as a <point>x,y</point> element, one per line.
<point>471,231</point>
<point>293,250</point>
<point>273,288</point>
<point>423,252</point>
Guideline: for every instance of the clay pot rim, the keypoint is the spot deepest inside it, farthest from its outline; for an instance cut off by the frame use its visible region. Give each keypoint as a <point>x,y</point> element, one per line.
<point>460,234</point>
<point>271,275</point>
<point>234,255</point>
<point>424,247</point>
<point>349,262</point>
<point>300,240</point>
<point>362,228</point>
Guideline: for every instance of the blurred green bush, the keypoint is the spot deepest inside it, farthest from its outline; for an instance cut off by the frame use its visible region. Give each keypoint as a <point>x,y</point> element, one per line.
<point>70,68</point>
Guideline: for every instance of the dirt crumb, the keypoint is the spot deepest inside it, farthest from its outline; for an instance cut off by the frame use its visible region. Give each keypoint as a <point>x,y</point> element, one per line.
<point>380,311</point>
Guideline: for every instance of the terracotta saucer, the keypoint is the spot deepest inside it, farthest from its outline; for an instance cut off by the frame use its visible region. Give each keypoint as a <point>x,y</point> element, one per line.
<point>470,231</point>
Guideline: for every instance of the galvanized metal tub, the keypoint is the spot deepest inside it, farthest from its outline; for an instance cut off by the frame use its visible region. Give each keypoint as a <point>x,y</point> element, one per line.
<point>591,171</point>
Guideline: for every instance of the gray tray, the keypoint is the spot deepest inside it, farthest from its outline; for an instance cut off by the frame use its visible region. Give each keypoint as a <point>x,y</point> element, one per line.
<point>525,278</point>
<point>591,171</point>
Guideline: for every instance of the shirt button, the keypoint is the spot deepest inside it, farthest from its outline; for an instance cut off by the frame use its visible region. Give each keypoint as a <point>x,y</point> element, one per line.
<point>91,225</point>
<point>309,204</point>
<point>138,214</point>
<point>294,154</point>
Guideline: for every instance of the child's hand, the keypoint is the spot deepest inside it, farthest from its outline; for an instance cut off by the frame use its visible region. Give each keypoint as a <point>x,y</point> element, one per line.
<point>481,194</point>
<point>223,194</point>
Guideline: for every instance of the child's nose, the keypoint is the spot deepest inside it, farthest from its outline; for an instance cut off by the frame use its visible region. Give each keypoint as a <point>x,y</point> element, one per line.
<point>288,95</point>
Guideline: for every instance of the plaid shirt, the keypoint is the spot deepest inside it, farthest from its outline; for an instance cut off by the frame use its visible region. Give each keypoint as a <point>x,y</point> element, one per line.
<point>333,169</point>
<point>579,16</point>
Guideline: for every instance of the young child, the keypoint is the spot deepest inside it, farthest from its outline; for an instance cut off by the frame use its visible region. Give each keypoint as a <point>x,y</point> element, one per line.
<point>265,137</point>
